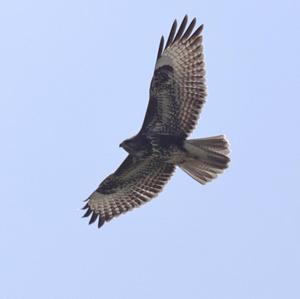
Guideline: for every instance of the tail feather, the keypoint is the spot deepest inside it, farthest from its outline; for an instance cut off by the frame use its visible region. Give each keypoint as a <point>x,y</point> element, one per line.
<point>206,158</point>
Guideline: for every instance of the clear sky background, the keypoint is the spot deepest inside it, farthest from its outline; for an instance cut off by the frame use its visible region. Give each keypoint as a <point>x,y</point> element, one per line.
<point>74,79</point>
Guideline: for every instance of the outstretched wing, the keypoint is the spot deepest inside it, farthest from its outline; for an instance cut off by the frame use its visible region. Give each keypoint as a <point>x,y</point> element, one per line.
<point>134,183</point>
<point>177,90</point>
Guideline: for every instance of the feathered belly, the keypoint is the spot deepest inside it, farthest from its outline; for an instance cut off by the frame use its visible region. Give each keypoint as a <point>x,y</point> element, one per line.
<point>168,147</point>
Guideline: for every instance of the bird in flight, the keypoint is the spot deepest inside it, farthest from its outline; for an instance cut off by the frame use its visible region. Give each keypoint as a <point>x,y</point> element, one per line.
<point>177,94</point>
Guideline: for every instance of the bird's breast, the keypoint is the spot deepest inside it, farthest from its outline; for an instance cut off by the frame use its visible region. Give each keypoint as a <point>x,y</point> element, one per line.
<point>167,146</point>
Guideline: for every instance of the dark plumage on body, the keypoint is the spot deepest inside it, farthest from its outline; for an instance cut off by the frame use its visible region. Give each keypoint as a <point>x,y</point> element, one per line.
<point>177,94</point>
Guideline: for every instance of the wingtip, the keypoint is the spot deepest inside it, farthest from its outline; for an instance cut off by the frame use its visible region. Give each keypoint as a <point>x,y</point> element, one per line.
<point>181,34</point>
<point>181,29</point>
<point>100,222</point>
<point>87,213</point>
<point>93,218</point>
<point>86,206</point>
<point>197,32</point>
<point>160,48</point>
<point>171,34</point>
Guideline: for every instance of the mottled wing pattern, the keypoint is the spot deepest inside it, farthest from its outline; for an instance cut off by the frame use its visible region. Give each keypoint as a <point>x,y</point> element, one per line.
<point>177,90</point>
<point>134,183</point>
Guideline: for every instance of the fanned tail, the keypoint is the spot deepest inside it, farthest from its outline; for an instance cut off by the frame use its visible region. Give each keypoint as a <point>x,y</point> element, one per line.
<point>206,158</point>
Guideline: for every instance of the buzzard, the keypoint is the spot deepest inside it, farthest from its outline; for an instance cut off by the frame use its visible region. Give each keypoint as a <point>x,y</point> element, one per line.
<point>177,94</point>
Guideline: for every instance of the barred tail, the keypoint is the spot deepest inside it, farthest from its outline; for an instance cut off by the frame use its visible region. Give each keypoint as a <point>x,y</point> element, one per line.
<point>205,158</point>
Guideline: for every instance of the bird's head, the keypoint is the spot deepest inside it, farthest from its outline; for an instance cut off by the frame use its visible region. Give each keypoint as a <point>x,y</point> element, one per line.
<point>127,145</point>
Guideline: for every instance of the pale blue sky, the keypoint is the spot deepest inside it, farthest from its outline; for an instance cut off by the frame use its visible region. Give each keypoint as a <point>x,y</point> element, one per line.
<point>74,83</point>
